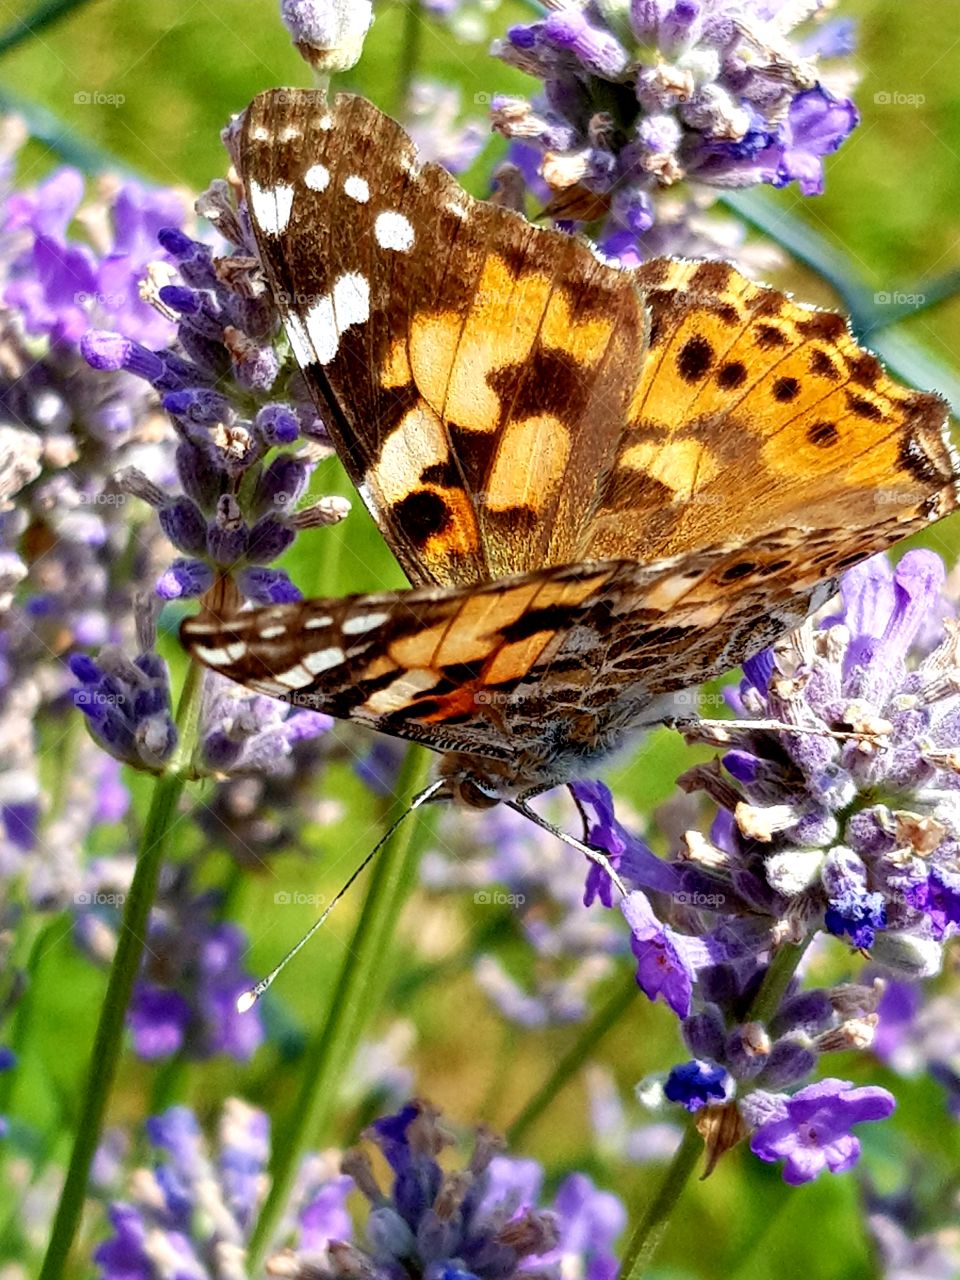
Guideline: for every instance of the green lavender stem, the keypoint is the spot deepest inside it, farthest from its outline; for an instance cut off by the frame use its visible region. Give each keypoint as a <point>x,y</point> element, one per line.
<point>108,1039</point>
<point>354,1002</point>
<point>649,1231</point>
<point>646,1238</point>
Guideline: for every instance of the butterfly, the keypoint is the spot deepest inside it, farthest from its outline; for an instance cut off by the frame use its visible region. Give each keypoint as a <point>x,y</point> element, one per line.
<point>605,485</point>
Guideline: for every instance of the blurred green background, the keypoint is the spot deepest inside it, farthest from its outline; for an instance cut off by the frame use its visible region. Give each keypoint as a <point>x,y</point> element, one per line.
<point>892,208</point>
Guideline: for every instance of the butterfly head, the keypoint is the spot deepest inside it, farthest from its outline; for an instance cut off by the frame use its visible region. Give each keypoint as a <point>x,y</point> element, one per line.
<point>476,783</point>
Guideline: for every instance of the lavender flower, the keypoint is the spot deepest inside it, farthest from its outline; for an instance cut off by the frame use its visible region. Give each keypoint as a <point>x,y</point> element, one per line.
<point>642,97</point>
<point>810,1132</point>
<point>185,997</point>
<point>127,705</point>
<point>239,505</point>
<point>801,830</point>
<point>193,1213</point>
<point>8,1060</point>
<point>328,33</point>
<point>483,1221</point>
<point>244,733</point>
<point>190,1215</point>
<point>70,555</point>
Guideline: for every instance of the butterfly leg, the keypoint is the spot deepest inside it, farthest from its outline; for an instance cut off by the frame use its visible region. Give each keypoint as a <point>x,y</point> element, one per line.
<point>595,856</point>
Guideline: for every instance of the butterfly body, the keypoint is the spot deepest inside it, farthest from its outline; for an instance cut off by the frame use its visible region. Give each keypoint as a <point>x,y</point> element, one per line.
<point>605,486</point>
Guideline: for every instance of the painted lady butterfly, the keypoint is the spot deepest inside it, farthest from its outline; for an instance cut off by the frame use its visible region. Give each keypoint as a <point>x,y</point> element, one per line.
<point>606,486</point>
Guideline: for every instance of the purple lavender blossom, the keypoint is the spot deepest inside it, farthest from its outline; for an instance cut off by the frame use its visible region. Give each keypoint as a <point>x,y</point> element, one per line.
<point>218,381</point>
<point>69,559</point>
<point>666,94</point>
<point>8,1060</point>
<point>810,1131</point>
<point>328,33</point>
<point>697,1084</point>
<point>127,705</point>
<point>243,733</point>
<point>193,969</point>
<point>195,1205</point>
<point>485,1222</point>
<point>802,830</point>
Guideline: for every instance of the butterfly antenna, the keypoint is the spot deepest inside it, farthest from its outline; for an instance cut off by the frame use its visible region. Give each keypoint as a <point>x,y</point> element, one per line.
<point>249,998</point>
<point>595,856</point>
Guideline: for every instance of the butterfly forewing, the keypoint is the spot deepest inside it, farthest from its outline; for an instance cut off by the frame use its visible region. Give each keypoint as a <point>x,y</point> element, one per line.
<point>447,341</point>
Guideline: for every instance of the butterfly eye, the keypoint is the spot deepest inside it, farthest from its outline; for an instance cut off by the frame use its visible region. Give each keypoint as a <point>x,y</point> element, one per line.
<point>477,794</point>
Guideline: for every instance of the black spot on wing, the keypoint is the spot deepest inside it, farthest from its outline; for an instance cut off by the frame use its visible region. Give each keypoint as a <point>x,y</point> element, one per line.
<point>422,515</point>
<point>823,434</point>
<point>695,359</point>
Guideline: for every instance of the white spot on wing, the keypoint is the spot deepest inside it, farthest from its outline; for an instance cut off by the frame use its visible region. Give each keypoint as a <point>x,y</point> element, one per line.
<point>357,189</point>
<point>399,692</point>
<point>351,300</point>
<point>393,231</point>
<point>214,657</point>
<point>272,633</point>
<point>322,328</point>
<point>317,177</point>
<point>260,133</point>
<point>331,315</point>
<point>299,339</point>
<point>457,209</point>
<point>271,206</point>
<point>363,622</point>
<point>294,677</point>
<point>323,660</point>
<point>289,132</point>
<point>313,624</point>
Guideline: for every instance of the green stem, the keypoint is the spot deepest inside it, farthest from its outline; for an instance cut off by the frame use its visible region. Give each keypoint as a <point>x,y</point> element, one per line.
<point>354,1002</point>
<point>773,988</point>
<point>646,1238</point>
<point>571,1062</point>
<point>409,54</point>
<point>108,1039</point>
<point>43,16</point>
